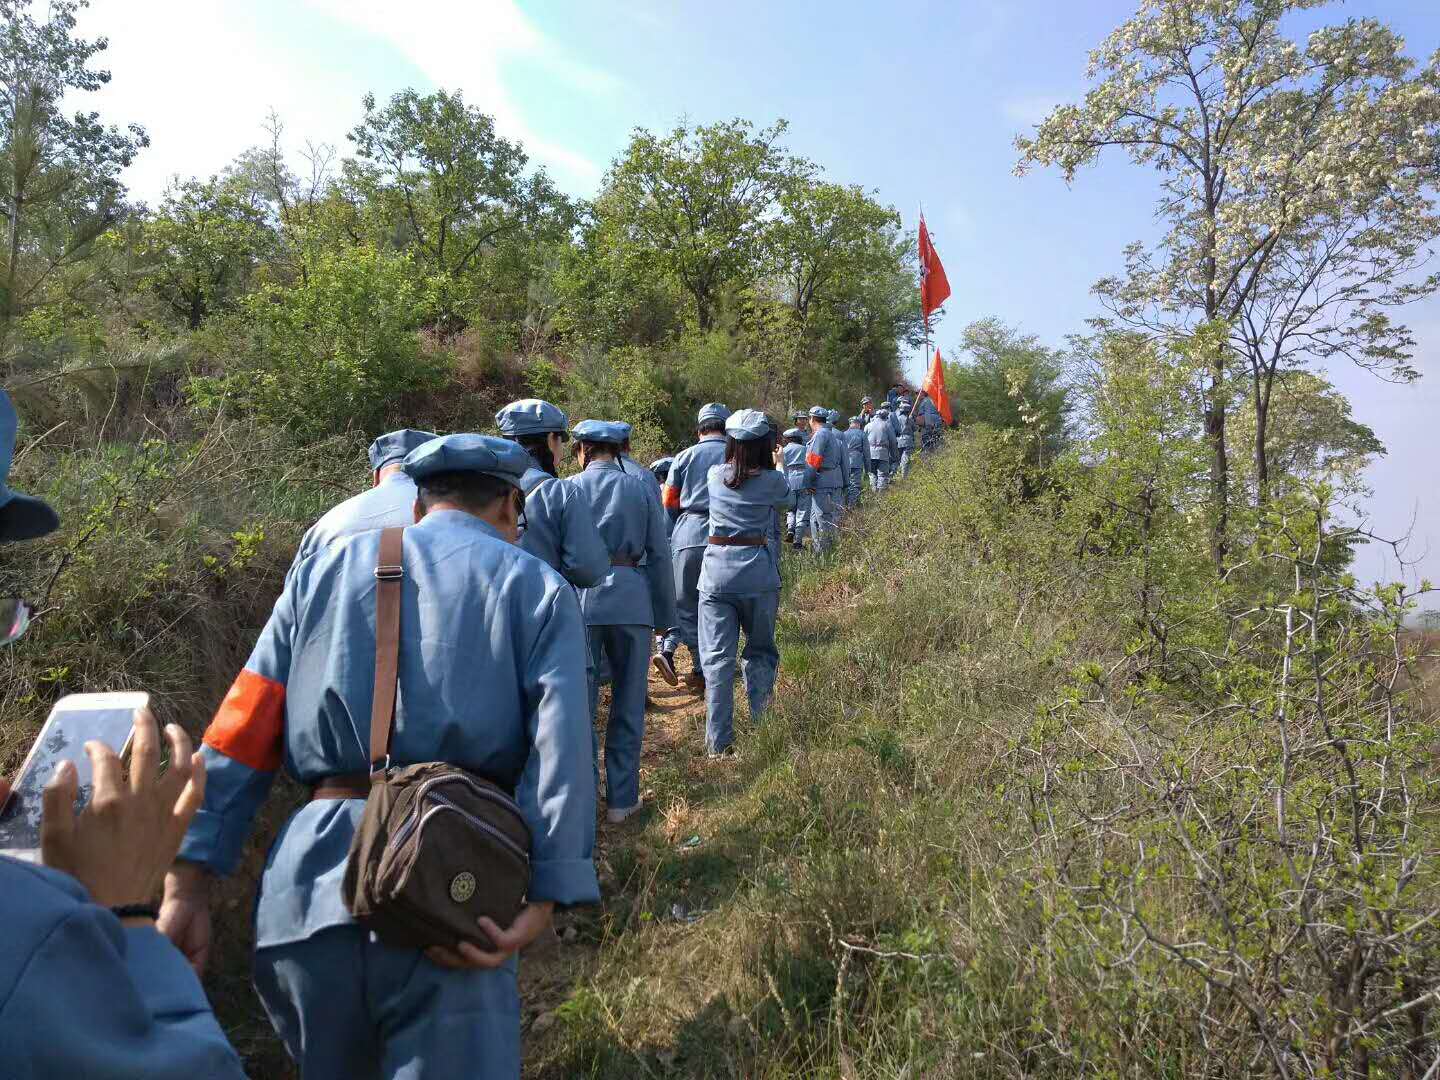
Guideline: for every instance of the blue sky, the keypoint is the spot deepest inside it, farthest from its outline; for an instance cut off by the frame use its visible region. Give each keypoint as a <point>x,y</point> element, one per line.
<point>920,101</point>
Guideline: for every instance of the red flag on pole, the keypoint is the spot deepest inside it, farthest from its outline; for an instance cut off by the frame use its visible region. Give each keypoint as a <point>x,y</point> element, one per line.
<point>934,388</point>
<point>934,286</point>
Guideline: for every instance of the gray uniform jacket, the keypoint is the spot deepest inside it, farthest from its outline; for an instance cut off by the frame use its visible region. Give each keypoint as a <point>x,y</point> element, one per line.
<point>560,531</point>
<point>854,439</point>
<point>749,510</point>
<point>881,437</point>
<point>825,460</point>
<point>632,527</point>
<point>904,432</point>
<point>391,502</point>
<point>686,492</point>
<point>651,483</point>
<point>795,467</point>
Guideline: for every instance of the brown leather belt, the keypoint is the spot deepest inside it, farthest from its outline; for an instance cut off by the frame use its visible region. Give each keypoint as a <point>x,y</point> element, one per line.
<point>343,786</point>
<point>737,541</point>
<point>624,562</point>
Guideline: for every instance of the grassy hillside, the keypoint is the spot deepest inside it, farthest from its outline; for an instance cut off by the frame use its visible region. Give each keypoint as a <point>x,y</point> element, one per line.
<point>991,827</point>
<point>935,857</point>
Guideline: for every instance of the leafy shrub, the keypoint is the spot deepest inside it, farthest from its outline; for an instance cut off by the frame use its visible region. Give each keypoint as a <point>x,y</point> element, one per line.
<point>325,354</point>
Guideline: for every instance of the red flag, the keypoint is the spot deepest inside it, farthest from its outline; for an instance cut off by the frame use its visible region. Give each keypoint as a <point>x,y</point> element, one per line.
<point>934,388</point>
<point>934,286</point>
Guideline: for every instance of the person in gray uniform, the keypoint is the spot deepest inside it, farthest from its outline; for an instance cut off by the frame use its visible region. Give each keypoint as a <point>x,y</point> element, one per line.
<point>824,464</point>
<point>740,577</point>
<point>857,460</point>
<point>624,609</point>
<point>391,501</point>
<point>687,505</point>
<point>793,460</point>
<point>883,450</point>
<point>904,440</point>
<point>558,527</point>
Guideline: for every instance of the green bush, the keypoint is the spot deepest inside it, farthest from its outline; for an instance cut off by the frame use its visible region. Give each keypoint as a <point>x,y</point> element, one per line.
<point>327,353</point>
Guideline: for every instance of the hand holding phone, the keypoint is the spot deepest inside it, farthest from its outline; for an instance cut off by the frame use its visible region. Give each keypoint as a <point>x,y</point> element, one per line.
<point>125,839</point>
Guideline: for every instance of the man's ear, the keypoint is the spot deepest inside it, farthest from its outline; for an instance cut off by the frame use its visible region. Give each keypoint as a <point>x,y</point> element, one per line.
<point>419,510</point>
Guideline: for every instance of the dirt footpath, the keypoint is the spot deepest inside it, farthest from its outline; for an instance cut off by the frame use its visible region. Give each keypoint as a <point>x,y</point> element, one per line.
<point>674,724</point>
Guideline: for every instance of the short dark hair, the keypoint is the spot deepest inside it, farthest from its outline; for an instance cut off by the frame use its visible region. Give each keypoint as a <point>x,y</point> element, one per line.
<point>475,492</point>
<point>587,446</point>
<point>706,427</point>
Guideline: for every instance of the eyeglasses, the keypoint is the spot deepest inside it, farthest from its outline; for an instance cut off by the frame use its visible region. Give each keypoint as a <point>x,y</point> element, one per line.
<point>14,619</point>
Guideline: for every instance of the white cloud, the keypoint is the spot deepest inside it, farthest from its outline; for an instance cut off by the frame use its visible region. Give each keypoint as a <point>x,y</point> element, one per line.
<point>202,75</point>
<point>465,46</point>
<point>1028,110</point>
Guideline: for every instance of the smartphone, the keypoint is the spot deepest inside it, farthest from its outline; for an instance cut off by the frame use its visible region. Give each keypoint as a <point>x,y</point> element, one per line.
<point>75,720</point>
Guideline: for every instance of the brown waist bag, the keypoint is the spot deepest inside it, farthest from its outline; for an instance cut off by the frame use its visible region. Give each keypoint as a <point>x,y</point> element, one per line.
<point>438,846</point>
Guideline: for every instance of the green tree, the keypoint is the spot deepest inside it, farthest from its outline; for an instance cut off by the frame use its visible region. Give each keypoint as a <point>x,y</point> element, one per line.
<point>327,354</point>
<point>1268,151</point>
<point>700,201</point>
<point>200,249</point>
<point>59,175</point>
<point>1011,382</point>
<point>435,179</point>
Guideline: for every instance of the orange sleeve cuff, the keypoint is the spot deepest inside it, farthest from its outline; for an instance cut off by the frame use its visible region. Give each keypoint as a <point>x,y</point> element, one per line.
<point>671,497</point>
<point>249,726</point>
<point>815,461</point>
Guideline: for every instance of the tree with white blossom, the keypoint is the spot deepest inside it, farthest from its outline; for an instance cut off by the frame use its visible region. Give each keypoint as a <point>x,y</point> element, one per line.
<point>1297,193</point>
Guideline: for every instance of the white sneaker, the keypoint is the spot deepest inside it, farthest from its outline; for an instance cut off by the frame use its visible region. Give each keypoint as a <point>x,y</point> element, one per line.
<point>617,814</point>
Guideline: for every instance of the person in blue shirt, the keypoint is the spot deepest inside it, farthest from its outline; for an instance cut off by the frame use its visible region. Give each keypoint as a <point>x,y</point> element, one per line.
<point>883,449</point>
<point>88,987</point>
<point>391,501</point>
<point>856,460</point>
<point>904,440</point>
<point>634,599</point>
<point>793,460</point>
<point>740,577</point>
<point>558,527</point>
<point>686,497</point>
<point>824,461</point>
<point>492,667</point>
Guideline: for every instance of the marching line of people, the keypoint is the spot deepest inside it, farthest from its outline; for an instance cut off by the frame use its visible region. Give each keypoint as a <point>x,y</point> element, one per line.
<point>519,594</point>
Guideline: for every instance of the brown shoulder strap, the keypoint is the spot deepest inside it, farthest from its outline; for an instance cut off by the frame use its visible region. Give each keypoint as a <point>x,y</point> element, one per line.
<point>389,572</point>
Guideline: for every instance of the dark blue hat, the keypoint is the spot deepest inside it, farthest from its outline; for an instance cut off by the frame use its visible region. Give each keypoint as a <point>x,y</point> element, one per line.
<point>601,431</point>
<point>22,517</point>
<point>819,413</point>
<point>394,446</point>
<point>794,433</point>
<point>466,452</point>
<point>712,411</point>
<point>531,416</point>
<point>856,420</point>
<point>747,424</point>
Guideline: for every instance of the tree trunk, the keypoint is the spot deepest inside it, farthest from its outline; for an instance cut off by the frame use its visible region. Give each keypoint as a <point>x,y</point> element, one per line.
<point>1219,461</point>
<point>1262,460</point>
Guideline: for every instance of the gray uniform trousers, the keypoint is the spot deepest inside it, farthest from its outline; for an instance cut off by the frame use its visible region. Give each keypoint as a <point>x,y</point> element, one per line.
<point>686,563</point>
<point>437,1023</point>
<point>880,475</point>
<point>903,469</point>
<point>722,618</point>
<point>824,518</point>
<point>628,650</point>
<point>800,518</point>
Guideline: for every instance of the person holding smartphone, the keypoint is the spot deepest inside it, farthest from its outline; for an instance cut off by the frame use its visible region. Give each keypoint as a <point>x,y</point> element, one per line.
<point>88,987</point>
